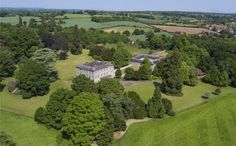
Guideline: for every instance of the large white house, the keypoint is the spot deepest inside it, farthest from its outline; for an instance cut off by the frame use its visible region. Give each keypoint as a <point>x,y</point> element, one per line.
<point>96,70</point>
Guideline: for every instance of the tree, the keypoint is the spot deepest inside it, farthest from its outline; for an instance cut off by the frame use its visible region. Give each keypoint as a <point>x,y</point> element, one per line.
<point>129,74</point>
<point>167,105</point>
<point>158,69</point>
<point>189,74</point>
<point>126,32</point>
<point>216,77</point>
<point>47,39</point>
<point>21,40</point>
<point>113,103</point>
<point>138,106</point>
<point>145,70</point>
<point>108,86</point>
<point>118,73</point>
<point>105,137</point>
<point>6,140</point>
<point>121,57</point>
<point>84,119</point>
<point>83,84</point>
<point>20,21</point>
<point>32,23</point>
<point>61,46</point>
<point>76,46</point>
<point>40,115</point>
<point>172,78</point>
<point>155,107</point>
<point>47,57</point>
<point>57,106</point>
<point>7,64</point>
<point>32,78</point>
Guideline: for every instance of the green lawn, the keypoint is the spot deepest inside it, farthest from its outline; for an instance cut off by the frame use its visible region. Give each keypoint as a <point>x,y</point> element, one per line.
<point>191,97</point>
<point>26,132</point>
<point>210,124</point>
<point>67,71</point>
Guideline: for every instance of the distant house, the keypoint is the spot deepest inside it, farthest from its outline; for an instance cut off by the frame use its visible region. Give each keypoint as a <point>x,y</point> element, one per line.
<point>96,70</point>
<point>152,58</point>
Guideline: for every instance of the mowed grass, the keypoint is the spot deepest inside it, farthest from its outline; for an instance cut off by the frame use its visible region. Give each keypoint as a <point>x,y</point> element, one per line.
<point>26,132</point>
<point>210,124</point>
<point>191,97</point>
<point>67,71</point>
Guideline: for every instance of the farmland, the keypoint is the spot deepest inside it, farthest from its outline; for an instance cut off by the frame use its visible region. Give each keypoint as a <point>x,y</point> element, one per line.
<point>212,123</point>
<point>187,30</point>
<point>15,20</point>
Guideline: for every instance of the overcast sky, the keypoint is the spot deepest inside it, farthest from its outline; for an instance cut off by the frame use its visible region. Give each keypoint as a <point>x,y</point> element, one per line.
<point>226,6</point>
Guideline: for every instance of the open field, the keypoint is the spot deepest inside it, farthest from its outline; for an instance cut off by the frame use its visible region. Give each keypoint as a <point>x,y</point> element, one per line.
<point>15,20</point>
<point>142,37</point>
<point>26,132</point>
<point>210,124</point>
<point>15,103</point>
<point>191,97</point>
<point>187,30</point>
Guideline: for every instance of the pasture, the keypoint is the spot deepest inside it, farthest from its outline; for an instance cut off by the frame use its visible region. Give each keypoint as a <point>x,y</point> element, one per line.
<point>124,28</point>
<point>212,123</point>
<point>178,29</point>
<point>25,132</point>
<point>67,71</point>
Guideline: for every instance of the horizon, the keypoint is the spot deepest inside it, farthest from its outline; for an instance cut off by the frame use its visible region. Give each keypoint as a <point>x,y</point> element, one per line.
<point>212,6</point>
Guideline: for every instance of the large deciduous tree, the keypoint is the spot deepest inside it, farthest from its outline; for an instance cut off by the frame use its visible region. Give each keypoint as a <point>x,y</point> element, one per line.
<point>121,57</point>
<point>84,119</point>
<point>32,77</point>
<point>7,64</point>
<point>83,84</point>
<point>57,106</point>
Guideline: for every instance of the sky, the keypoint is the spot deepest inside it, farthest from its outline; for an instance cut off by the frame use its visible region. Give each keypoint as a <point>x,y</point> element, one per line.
<point>222,6</point>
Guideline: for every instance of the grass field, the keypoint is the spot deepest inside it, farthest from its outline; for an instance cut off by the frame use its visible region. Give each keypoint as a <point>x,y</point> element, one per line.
<point>142,37</point>
<point>26,132</point>
<point>178,29</point>
<point>67,71</point>
<point>15,20</point>
<point>191,97</point>
<point>210,124</point>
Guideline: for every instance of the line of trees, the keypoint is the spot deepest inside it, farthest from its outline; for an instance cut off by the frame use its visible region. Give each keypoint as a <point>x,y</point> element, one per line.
<point>99,109</point>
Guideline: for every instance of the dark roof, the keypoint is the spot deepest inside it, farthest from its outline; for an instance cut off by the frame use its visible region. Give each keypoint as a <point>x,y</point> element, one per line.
<point>154,59</point>
<point>94,66</point>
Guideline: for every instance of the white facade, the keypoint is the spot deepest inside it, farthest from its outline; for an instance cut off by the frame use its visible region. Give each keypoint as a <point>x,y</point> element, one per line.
<point>98,72</point>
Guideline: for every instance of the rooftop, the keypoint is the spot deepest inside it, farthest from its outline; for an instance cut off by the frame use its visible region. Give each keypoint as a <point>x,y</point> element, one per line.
<point>154,59</point>
<point>94,66</point>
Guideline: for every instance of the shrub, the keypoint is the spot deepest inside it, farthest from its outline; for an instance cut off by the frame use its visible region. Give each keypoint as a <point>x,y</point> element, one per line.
<point>1,87</point>
<point>6,140</point>
<point>217,91</point>
<point>206,95</point>
<point>167,105</point>
<point>25,94</point>
<point>39,115</point>
<point>171,113</point>
<point>11,85</point>
<point>118,73</point>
